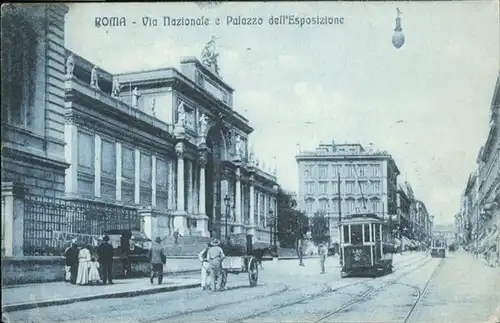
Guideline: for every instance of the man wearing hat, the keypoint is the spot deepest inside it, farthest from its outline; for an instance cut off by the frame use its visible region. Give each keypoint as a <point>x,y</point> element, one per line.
<point>215,255</point>
<point>158,259</point>
<point>71,255</point>
<point>105,254</point>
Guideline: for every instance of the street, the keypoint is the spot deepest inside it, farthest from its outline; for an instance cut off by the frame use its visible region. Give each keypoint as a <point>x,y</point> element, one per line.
<point>422,289</point>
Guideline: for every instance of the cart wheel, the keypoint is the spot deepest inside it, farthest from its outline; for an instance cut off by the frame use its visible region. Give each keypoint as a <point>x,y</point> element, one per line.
<point>253,272</point>
<point>223,279</point>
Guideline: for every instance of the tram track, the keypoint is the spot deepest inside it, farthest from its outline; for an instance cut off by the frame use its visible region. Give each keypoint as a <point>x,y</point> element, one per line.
<point>371,290</point>
<point>421,292</point>
<point>327,289</point>
<point>282,290</point>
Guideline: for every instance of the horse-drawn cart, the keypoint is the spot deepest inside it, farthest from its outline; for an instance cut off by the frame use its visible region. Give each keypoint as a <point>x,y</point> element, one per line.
<point>237,261</point>
<point>238,265</point>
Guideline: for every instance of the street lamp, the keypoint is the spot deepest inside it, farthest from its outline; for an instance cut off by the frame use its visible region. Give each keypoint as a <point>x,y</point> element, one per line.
<point>271,224</point>
<point>398,38</point>
<point>227,202</point>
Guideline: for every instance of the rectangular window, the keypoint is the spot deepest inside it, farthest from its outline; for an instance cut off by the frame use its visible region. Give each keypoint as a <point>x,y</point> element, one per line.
<point>323,171</point>
<point>375,170</point>
<point>309,206</point>
<point>161,183</point>
<point>86,155</point>
<point>310,188</point>
<point>323,205</point>
<point>108,170</point>
<point>128,174</point>
<point>346,233</point>
<point>367,232</point>
<point>335,187</point>
<point>323,188</point>
<point>361,170</point>
<point>364,187</point>
<point>356,234</point>
<point>146,176</point>
<point>350,189</point>
<point>19,57</point>
<point>375,187</point>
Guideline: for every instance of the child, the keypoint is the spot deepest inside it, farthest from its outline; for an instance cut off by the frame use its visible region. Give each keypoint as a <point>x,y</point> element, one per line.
<point>94,276</point>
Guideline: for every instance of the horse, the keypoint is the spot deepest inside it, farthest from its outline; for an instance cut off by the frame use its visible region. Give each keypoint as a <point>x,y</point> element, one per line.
<point>258,254</point>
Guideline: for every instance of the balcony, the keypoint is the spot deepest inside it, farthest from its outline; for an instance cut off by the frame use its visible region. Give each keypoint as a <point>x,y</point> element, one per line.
<point>77,90</point>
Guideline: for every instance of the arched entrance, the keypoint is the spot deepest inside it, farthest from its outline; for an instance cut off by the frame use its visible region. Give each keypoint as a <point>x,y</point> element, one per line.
<point>213,176</point>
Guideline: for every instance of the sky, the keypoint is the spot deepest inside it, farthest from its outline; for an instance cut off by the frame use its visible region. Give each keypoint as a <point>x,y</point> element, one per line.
<point>300,86</point>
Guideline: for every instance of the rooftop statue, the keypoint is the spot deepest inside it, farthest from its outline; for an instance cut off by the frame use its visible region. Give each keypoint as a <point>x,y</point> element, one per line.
<point>181,115</point>
<point>115,92</point>
<point>94,78</point>
<point>70,65</point>
<point>209,55</point>
<point>135,97</point>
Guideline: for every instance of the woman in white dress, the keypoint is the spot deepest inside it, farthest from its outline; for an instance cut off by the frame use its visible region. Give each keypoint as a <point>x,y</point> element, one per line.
<point>94,276</point>
<point>83,266</point>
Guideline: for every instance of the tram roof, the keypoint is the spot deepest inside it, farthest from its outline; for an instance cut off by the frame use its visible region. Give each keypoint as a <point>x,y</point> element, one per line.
<point>361,218</point>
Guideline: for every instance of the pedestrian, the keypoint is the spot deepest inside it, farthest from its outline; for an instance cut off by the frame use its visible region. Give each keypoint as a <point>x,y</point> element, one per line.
<point>176,236</point>
<point>83,266</point>
<point>215,257</point>
<point>300,252</point>
<point>323,253</point>
<point>105,255</point>
<point>204,266</point>
<point>71,255</point>
<point>94,276</point>
<point>158,259</point>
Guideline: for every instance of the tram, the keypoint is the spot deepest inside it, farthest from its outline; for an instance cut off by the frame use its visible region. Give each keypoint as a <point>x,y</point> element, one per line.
<point>438,247</point>
<point>362,249</point>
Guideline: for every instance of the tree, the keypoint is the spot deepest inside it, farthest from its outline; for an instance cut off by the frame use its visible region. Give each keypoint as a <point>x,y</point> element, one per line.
<point>320,232</point>
<point>292,223</point>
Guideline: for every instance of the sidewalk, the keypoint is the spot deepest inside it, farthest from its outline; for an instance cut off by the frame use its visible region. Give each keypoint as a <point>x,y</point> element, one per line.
<point>20,297</point>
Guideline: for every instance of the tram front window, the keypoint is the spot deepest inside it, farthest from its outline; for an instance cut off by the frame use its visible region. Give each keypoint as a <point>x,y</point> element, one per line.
<point>356,234</point>
<point>346,234</point>
<point>367,232</point>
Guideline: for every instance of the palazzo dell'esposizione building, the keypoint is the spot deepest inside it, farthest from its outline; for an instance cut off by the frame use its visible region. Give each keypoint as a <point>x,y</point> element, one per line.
<point>89,151</point>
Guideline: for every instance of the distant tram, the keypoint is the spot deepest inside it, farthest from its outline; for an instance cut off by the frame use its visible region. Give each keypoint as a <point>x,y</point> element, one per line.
<point>362,249</point>
<point>438,247</point>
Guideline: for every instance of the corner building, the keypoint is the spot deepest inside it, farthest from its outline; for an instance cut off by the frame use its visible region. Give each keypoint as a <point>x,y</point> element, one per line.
<point>368,181</point>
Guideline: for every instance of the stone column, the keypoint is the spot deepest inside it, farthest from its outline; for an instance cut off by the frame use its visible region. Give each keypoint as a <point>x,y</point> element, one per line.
<point>12,219</point>
<point>150,219</point>
<point>71,156</point>
<point>97,165</point>
<point>189,183</point>
<point>202,221</point>
<point>259,200</point>
<point>137,180</point>
<point>238,211</point>
<point>266,209</point>
<point>153,180</point>
<point>180,222</point>
<point>118,171</point>
<point>251,218</point>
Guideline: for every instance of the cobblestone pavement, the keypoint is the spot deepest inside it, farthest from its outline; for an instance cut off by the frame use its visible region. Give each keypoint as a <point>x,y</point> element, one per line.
<point>287,292</point>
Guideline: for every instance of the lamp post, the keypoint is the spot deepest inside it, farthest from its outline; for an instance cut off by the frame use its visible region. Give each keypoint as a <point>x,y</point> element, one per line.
<point>227,202</point>
<point>271,225</point>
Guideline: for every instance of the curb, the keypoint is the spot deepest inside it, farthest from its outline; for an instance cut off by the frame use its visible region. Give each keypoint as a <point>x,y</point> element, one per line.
<point>63,301</point>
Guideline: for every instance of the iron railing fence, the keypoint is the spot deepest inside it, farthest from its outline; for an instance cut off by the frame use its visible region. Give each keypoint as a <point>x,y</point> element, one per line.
<point>51,223</point>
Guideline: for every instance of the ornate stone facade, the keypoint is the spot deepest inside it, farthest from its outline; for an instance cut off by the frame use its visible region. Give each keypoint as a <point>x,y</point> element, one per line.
<point>179,162</point>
